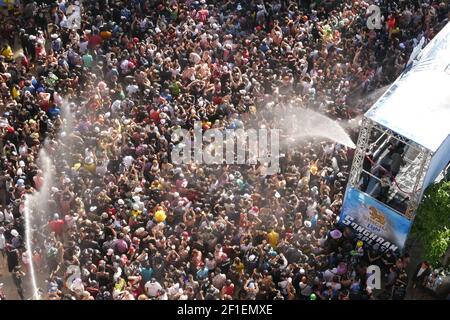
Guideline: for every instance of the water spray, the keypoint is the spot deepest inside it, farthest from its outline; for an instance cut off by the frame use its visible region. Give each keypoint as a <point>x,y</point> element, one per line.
<point>37,203</point>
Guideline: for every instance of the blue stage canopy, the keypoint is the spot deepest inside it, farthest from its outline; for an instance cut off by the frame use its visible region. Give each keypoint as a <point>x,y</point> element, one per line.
<point>417,105</point>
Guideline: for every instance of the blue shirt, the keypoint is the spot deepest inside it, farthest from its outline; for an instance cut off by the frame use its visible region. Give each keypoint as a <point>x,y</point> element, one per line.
<point>53,112</point>
<point>264,47</point>
<point>126,13</point>
<point>202,273</point>
<point>31,89</point>
<point>146,274</point>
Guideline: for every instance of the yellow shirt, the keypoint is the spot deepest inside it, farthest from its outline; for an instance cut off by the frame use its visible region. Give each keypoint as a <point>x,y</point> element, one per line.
<point>120,285</point>
<point>239,267</point>
<point>272,238</point>
<point>15,93</point>
<point>7,52</point>
<point>90,167</point>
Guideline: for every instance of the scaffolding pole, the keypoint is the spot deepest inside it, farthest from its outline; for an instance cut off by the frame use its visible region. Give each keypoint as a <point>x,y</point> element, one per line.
<point>360,152</point>
<point>414,199</point>
<point>367,127</point>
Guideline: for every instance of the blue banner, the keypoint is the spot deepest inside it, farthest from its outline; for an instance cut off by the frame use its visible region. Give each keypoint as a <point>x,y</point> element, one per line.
<point>373,222</point>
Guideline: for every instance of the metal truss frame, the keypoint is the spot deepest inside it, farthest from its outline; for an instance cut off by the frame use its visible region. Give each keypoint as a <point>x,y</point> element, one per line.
<point>360,152</point>
<point>367,127</point>
<point>400,138</point>
<point>414,199</point>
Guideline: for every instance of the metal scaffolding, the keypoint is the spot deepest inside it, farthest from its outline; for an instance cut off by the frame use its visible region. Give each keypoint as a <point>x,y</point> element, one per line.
<point>414,199</point>
<point>360,152</point>
<point>384,136</point>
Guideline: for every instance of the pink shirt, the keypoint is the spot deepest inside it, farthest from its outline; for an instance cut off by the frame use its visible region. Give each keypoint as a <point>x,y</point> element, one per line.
<point>38,182</point>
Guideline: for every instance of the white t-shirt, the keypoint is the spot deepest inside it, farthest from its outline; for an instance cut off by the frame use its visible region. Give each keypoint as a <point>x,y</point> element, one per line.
<point>6,216</point>
<point>131,89</point>
<point>74,18</point>
<point>283,286</point>
<point>328,275</point>
<point>173,290</point>
<point>311,210</point>
<point>83,46</point>
<point>125,66</point>
<point>2,241</point>
<point>219,281</point>
<point>116,105</point>
<point>152,288</point>
<point>127,161</point>
<point>194,57</point>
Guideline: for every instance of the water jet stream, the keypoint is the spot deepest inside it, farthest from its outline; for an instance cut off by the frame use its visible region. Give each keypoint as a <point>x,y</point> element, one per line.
<point>300,123</point>
<point>36,204</point>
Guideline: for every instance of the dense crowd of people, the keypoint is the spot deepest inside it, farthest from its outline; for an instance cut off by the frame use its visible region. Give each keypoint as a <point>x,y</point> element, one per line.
<point>102,96</point>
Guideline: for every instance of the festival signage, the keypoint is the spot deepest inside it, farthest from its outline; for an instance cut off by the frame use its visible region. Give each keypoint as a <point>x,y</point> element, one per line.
<point>373,222</point>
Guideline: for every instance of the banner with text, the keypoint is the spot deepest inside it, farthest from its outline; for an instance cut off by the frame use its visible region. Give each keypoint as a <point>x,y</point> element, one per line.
<point>373,222</point>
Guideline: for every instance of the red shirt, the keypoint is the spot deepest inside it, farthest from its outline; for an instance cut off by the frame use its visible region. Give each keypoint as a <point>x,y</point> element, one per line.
<point>56,226</point>
<point>155,116</point>
<point>25,62</point>
<point>229,289</point>
<point>391,23</point>
<point>131,251</point>
<point>94,40</point>
<point>111,211</point>
<point>202,15</point>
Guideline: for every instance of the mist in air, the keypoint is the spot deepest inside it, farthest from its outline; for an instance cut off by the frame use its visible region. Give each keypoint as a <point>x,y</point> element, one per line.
<point>298,124</point>
<point>36,205</point>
